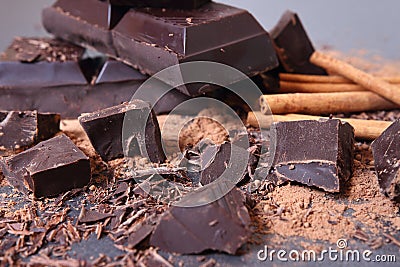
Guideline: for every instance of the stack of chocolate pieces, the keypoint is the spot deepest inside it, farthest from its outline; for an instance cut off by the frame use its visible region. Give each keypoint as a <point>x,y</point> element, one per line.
<point>161,34</point>
<point>59,78</point>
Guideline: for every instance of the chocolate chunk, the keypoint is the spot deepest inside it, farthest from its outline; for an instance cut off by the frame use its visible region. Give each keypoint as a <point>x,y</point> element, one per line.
<point>152,39</point>
<point>180,4</point>
<point>385,150</point>
<point>293,46</point>
<point>315,153</point>
<point>61,82</point>
<point>104,129</point>
<point>57,64</point>
<point>222,225</point>
<point>49,168</point>
<point>21,129</point>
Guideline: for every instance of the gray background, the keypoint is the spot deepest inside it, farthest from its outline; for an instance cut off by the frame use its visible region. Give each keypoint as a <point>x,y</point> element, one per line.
<point>345,25</point>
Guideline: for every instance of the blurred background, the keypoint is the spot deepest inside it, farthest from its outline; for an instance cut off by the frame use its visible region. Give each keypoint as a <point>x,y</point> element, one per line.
<point>344,25</point>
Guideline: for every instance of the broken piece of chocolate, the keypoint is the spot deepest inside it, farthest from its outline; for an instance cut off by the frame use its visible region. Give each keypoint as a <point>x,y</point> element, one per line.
<point>22,129</point>
<point>315,153</point>
<point>49,168</point>
<point>153,39</point>
<point>179,4</point>
<point>293,46</point>
<point>386,153</point>
<point>105,131</point>
<point>222,225</point>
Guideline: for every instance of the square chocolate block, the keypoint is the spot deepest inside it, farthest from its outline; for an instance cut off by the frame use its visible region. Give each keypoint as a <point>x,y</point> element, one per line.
<point>49,168</point>
<point>315,153</point>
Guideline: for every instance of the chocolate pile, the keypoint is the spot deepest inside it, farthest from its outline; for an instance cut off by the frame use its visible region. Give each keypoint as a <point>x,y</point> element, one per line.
<point>108,179</point>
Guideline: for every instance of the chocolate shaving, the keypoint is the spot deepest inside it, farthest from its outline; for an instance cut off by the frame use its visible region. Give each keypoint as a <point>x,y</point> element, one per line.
<point>91,216</point>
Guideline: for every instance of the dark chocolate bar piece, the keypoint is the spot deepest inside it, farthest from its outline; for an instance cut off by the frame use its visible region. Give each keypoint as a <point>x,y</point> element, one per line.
<point>104,129</point>
<point>293,46</point>
<point>179,4</point>
<point>385,150</point>
<point>22,129</point>
<point>60,81</point>
<point>152,39</point>
<point>222,225</point>
<point>315,153</point>
<point>49,168</point>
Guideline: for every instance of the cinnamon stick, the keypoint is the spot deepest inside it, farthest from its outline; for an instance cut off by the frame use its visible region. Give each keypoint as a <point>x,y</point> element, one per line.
<point>304,78</point>
<point>363,129</point>
<point>374,84</point>
<point>323,103</point>
<point>297,87</point>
